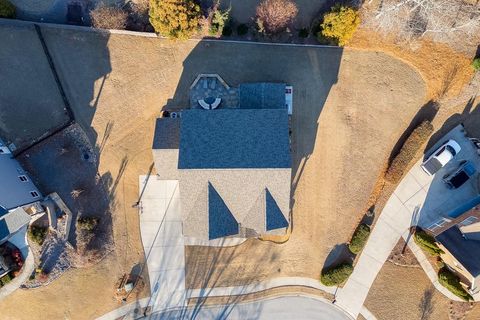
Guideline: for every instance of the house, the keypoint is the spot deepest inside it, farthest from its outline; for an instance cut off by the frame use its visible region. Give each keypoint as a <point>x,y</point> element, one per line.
<point>460,241</point>
<point>19,196</point>
<point>233,166</point>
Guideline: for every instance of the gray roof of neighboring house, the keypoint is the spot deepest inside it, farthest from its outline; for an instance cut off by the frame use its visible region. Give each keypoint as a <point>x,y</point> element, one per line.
<point>233,139</point>
<point>167,133</point>
<point>13,191</point>
<point>12,222</point>
<point>467,252</point>
<point>262,95</point>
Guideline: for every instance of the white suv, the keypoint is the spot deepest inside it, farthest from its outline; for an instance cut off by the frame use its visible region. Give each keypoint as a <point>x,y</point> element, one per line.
<point>441,157</point>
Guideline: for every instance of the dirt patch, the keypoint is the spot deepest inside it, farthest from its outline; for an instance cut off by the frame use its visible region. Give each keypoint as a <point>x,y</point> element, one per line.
<point>402,256</point>
<point>459,310</point>
<point>405,293</point>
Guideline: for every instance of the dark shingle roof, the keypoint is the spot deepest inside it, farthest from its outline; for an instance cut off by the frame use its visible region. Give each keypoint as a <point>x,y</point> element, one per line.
<point>467,252</point>
<point>221,222</point>
<point>167,133</point>
<point>274,216</point>
<point>233,139</point>
<point>262,95</point>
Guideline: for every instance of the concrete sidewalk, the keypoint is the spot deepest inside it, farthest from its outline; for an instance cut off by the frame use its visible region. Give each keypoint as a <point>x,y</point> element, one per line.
<point>161,231</point>
<point>400,212</point>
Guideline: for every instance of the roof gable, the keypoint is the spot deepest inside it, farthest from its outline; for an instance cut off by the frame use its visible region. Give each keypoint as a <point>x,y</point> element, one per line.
<point>274,216</point>
<point>221,222</point>
<point>233,139</point>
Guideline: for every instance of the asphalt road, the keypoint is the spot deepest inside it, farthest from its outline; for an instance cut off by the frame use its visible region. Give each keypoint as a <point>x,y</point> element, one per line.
<point>289,307</point>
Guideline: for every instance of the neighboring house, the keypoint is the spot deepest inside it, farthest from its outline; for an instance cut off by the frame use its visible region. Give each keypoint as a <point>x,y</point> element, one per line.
<point>233,166</point>
<point>460,241</point>
<point>18,195</point>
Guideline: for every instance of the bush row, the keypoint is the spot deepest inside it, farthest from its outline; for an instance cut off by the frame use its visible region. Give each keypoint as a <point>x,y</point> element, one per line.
<point>450,281</point>
<point>336,275</point>
<point>5,279</point>
<point>427,243</point>
<point>406,154</point>
<point>359,238</point>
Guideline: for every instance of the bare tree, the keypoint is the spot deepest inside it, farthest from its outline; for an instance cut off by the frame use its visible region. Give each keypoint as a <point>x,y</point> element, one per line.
<point>442,20</point>
<point>274,15</point>
<point>108,17</point>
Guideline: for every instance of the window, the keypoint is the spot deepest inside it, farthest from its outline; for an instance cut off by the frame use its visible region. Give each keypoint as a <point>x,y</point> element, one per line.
<point>440,223</point>
<point>34,194</point>
<point>468,221</point>
<point>23,178</point>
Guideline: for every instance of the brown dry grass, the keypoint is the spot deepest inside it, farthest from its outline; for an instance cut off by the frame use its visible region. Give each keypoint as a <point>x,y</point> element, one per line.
<point>444,70</point>
<point>397,292</point>
<point>337,179</point>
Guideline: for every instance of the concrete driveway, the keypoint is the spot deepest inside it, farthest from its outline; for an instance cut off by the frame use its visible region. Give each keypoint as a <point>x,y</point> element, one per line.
<point>419,199</point>
<point>289,307</point>
<point>161,232</point>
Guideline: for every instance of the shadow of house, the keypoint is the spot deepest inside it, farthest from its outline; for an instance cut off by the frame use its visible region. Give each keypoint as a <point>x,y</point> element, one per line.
<point>311,71</point>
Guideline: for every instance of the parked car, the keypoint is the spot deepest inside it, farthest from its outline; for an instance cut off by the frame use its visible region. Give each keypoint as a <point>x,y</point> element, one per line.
<point>458,177</point>
<point>441,157</point>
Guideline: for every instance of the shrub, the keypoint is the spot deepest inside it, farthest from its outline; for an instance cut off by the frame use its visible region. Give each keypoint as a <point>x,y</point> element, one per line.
<point>227,31</point>
<point>359,238</point>
<point>406,154</point>
<point>7,9</point>
<point>5,279</point>
<point>450,281</point>
<point>242,29</point>
<point>87,223</point>
<point>218,19</point>
<point>337,275</point>
<point>427,243</point>
<point>273,16</point>
<point>476,64</point>
<point>340,24</point>
<point>108,17</point>
<point>37,234</point>
<point>174,18</point>
<point>303,33</point>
